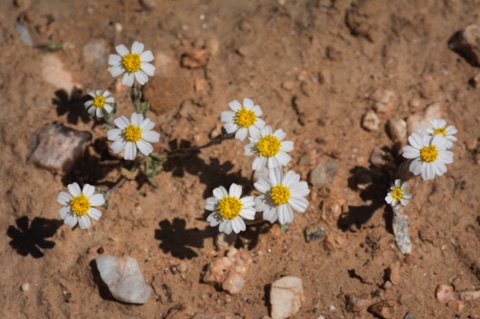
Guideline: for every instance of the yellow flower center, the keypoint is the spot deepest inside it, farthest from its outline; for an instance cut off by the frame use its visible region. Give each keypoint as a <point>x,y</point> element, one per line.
<point>132,133</point>
<point>429,153</point>
<point>442,130</point>
<point>280,194</point>
<point>229,207</point>
<point>245,118</point>
<point>131,62</point>
<point>80,204</point>
<point>397,193</point>
<point>98,101</point>
<point>269,146</point>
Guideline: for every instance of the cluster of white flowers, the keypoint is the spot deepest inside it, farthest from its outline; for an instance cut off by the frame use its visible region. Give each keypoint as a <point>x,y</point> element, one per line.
<point>128,135</point>
<point>429,153</point>
<point>280,193</point>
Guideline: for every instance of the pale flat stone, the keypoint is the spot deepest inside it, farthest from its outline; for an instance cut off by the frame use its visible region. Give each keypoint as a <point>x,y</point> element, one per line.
<point>286,297</point>
<point>124,279</point>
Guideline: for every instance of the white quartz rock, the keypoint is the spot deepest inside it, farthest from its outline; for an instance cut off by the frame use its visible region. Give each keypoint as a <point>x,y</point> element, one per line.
<point>124,279</point>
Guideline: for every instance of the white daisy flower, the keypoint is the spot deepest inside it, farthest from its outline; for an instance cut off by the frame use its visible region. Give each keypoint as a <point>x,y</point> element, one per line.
<point>229,209</point>
<point>78,206</point>
<point>440,128</point>
<point>270,148</point>
<point>135,65</point>
<point>133,134</point>
<point>100,101</point>
<point>243,118</point>
<point>280,194</point>
<point>429,155</point>
<point>398,194</point>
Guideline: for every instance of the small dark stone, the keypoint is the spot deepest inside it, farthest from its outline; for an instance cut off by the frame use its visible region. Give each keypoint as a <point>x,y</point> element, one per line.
<point>100,250</point>
<point>174,270</point>
<point>314,232</point>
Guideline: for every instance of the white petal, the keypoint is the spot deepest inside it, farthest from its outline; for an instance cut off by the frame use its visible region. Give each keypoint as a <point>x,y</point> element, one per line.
<point>141,77</point>
<point>300,189</point>
<point>416,140</point>
<point>410,152</point>
<point>148,68</point>
<point>275,175</point>
<point>286,146</point>
<point>260,124</point>
<point>71,220</point>
<point>99,113</point>
<point>227,116</point>
<point>267,130</point>
<point>116,70</point>
<point>128,79</point>
<point>230,127</point>
<point>415,166</point>
<point>283,158</point>
<point>280,134</point>
<point>130,151</point>
<point>74,189</point>
<point>88,190</point>
<point>114,59</point>
<point>146,56</point>
<point>144,147</point>
<point>235,190</point>
<point>262,185</point>
<point>220,192</point>
<point>94,213</point>
<point>121,49</point>
<point>248,214</point>
<point>272,162</point>
<point>257,110</point>
<point>290,178</point>
<point>300,204</point>
<point>136,119</point>
<point>389,198</point>
<point>63,212</point>
<point>147,125</point>
<point>88,103</point>
<point>249,149</point>
<point>97,200</point>
<point>118,146</point>
<point>271,214</point>
<point>122,122</point>
<point>235,105</point>
<point>260,203</point>
<point>214,219</point>
<point>137,47</point>
<point>247,103</point>
<point>259,163</point>
<point>151,136</point>
<point>247,202</point>
<point>210,203</point>
<point>84,222</point>
<point>108,108</point>
<point>285,214</point>
<point>446,157</point>
<point>64,198</point>
<point>241,134</point>
<point>238,225</point>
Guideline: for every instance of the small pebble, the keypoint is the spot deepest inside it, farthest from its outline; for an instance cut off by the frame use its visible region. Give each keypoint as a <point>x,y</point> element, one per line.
<point>444,293</point>
<point>314,232</point>
<point>384,309</point>
<point>194,59</point>
<point>370,121</point>
<point>174,270</point>
<point>457,305</point>
<point>100,250</point>
<point>183,267</point>
<point>397,130</point>
<point>358,303</point>
<point>470,295</point>
<point>25,287</point>
<point>467,44</point>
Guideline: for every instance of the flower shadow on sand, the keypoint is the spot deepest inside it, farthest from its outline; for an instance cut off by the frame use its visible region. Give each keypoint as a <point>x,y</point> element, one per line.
<point>31,239</point>
<point>72,105</point>
<point>177,240</point>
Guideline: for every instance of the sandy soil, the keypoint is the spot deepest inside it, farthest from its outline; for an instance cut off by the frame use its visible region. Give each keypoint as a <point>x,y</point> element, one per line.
<point>311,66</point>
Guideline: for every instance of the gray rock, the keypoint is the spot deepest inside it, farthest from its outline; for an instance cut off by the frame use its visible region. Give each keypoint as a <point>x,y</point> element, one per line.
<point>470,295</point>
<point>56,147</point>
<point>323,174</point>
<point>358,303</point>
<point>400,229</point>
<point>53,72</point>
<point>124,279</point>
<point>286,297</point>
<point>377,157</point>
<point>444,293</point>
<point>397,130</point>
<point>95,51</point>
<point>467,43</point>
<point>370,121</point>
<point>314,232</point>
